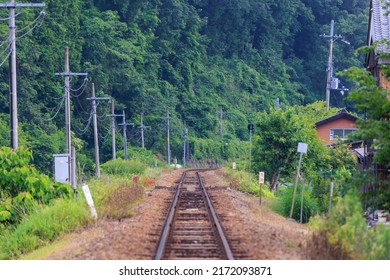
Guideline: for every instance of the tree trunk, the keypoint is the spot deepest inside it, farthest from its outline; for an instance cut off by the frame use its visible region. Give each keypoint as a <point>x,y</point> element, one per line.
<point>274,182</point>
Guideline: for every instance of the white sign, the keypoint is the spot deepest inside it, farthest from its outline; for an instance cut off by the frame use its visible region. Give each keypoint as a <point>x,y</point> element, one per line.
<point>302,148</point>
<point>261,177</point>
<point>234,166</point>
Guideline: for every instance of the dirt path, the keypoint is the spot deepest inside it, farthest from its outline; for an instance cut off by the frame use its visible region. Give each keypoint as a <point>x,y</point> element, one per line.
<point>262,234</point>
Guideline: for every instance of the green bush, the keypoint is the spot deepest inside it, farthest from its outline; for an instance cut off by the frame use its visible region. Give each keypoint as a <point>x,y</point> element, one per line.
<point>124,167</point>
<point>141,155</point>
<point>345,228</point>
<point>22,186</point>
<point>43,226</point>
<point>240,180</point>
<point>310,206</point>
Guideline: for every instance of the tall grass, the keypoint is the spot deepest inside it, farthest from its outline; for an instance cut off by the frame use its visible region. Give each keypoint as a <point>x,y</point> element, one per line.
<point>42,227</point>
<point>310,206</point>
<point>239,180</point>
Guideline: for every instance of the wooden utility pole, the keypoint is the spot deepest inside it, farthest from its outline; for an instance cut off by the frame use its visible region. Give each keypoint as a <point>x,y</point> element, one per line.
<point>11,5</point>
<point>113,116</point>
<point>124,124</point>
<point>95,128</point>
<point>113,129</point>
<point>221,123</point>
<point>168,139</point>
<point>142,127</point>
<point>329,70</point>
<point>67,74</point>
<point>185,144</point>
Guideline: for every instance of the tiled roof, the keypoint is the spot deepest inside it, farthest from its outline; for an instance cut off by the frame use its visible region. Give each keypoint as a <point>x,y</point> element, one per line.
<point>380,24</point>
<point>339,115</point>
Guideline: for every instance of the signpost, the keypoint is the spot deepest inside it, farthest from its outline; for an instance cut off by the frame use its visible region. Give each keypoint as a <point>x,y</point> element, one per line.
<point>302,149</point>
<point>261,181</point>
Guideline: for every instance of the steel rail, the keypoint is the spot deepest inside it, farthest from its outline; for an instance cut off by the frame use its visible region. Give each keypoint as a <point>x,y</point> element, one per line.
<point>213,218</point>
<point>219,231</point>
<point>164,236</point>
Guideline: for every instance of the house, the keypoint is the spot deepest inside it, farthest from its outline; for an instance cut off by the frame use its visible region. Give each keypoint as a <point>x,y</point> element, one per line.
<point>336,127</point>
<point>378,36</point>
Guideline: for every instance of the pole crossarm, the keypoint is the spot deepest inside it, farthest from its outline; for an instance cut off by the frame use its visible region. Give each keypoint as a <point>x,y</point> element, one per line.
<point>21,5</point>
<point>132,124</point>
<point>99,98</point>
<point>334,37</point>
<point>71,74</point>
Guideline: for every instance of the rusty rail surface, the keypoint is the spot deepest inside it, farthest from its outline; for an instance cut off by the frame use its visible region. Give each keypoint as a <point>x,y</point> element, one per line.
<point>192,229</point>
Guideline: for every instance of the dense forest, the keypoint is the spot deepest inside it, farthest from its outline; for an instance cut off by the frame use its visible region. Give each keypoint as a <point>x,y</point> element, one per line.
<point>188,57</point>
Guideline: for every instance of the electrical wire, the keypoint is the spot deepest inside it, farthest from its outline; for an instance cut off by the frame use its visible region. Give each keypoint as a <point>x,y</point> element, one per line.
<point>8,18</point>
<point>83,85</point>
<point>58,110</point>
<point>5,59</point>
<point>32,28</point>
<point>85,129</point>
<point>41,15</point>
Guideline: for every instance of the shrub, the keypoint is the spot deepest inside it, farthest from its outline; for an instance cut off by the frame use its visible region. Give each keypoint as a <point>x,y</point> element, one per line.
<point>142,155</point>
<point>22,186</point>
<point>345,229</point>
<point>124,167</point>
<point>239,180</point>
<point>310,206</point>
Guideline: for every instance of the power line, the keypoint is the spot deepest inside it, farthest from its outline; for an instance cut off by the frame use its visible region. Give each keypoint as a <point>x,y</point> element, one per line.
<point>58,110</point>
<point>8,18</point>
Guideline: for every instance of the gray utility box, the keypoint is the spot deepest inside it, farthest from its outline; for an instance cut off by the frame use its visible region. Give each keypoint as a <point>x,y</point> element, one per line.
<point>61,168</point>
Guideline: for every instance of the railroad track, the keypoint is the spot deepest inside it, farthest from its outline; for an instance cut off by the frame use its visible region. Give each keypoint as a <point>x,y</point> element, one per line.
<point>192,229</point>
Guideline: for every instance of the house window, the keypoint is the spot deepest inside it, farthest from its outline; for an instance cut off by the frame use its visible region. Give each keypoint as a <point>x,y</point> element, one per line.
<point>340,133</point>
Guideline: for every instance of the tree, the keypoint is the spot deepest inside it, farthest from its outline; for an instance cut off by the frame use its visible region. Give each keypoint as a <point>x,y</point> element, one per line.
<point>374,102</point>
<point>277,134</point>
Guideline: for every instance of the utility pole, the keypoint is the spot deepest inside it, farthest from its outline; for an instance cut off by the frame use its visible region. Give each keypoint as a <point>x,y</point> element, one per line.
<point>185,144</point>
<point>142,127</point>
<point>220,123</point>
<point>168,139</point>
<point>113,129</point>
<point>329,70</point>
<point>11,5</point>
<point>124,124</point>
<point>67,75</point>
<point>250,128</point>
<point>95,128</point>
<point>113,115</point>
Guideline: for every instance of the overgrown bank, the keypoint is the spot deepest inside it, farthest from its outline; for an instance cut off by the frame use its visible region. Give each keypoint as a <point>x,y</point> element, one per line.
<point>30,220</point>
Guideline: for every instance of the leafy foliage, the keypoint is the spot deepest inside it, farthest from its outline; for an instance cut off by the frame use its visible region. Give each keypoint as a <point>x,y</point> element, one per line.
<point>22,186</point>
<point>124,167</point>
<point>310,206</point>
<point>188,57</point>
<point>346,228</point>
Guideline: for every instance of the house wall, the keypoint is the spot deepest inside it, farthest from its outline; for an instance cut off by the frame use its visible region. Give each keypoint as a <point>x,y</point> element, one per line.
<point>323,130</point>
<point>383,82</point>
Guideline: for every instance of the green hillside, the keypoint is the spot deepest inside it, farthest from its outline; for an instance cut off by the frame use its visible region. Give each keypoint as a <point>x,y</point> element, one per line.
<point>186,57</point>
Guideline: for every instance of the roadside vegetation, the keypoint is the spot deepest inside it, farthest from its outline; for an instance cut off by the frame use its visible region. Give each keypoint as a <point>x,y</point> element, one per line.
<point>34,211</point>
